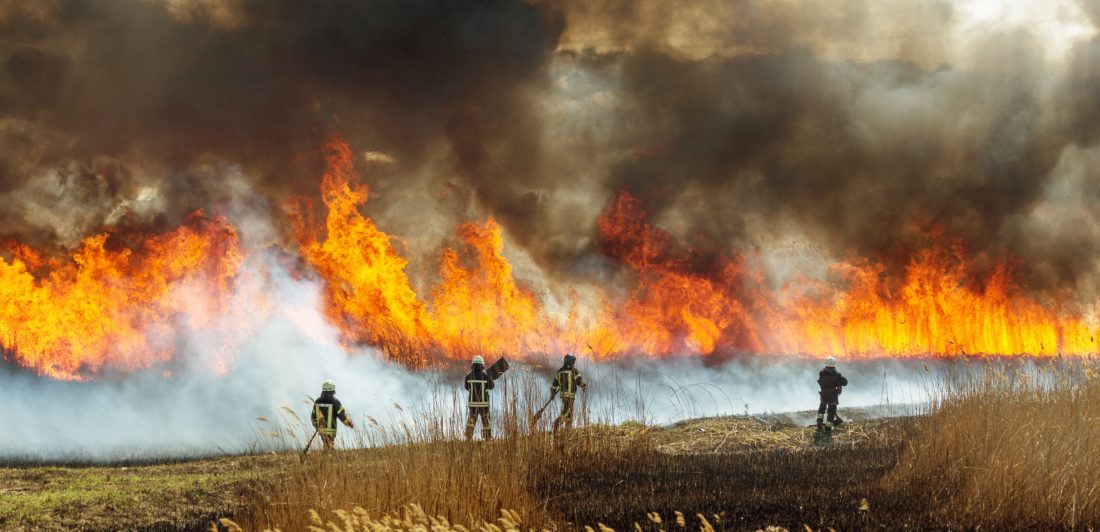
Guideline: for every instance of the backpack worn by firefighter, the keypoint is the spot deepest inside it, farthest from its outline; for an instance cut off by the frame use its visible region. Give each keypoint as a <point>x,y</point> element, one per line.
<point>832,383</point>
<point>567,380</point>
<point>326,410</point>
<point>478,383</point>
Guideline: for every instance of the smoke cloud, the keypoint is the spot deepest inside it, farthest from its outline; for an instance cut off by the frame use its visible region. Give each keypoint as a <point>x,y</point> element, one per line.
<point>194,412</point>
<point>727,119</point>
<point>741,127</point>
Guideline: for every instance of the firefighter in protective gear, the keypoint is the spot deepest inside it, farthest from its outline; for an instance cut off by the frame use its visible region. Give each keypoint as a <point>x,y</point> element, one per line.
<point>478,385</point>
<point>326,410</point>
<point>832,383</point>
<point>567,380</point>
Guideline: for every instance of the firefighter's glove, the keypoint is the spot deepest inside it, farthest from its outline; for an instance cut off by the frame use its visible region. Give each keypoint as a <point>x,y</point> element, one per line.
<point>349,424</point>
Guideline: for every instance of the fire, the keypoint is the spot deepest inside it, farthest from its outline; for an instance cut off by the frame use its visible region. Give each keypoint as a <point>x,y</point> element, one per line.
<point>123,304</point>
<point>367,291</point>
<point>482,308</point>
<point>672,307</point>
<point>118,309</point>
<point>476,308</point>
<point>667,298</point>
<point>936,311</point>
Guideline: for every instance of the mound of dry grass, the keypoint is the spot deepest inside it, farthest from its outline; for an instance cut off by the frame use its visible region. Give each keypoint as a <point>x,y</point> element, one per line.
<point>1011,447</point>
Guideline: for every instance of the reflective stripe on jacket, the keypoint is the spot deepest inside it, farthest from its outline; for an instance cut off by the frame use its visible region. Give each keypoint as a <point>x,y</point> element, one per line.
<point>326,410</point>
<point>478,384</point>
<point>567,380</point>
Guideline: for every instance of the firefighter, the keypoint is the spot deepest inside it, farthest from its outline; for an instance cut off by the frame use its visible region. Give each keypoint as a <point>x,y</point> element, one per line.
<point>326,410</point>
<point>832,383</point>
<point>567,380</point>
<point>478,385</point>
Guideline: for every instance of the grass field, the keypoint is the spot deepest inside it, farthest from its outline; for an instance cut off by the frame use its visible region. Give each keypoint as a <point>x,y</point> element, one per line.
<point>148,497</point>
<point>998,449</point>
<point>685,462</point>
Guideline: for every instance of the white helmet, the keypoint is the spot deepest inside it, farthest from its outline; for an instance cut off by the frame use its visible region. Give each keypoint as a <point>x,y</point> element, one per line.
<point>328,386</point>
<point>479,360</point>
<point>830,362</point>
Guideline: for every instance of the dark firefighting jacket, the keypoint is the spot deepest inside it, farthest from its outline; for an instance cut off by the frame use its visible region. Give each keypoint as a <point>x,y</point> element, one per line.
<point>326,410</point>
<point>478,384</point>
<point>831,382</point>
<point>567,380</point>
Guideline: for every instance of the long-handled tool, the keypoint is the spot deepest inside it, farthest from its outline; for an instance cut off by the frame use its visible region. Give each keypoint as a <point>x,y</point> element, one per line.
<point>308,443</point>
<point>538,413</point>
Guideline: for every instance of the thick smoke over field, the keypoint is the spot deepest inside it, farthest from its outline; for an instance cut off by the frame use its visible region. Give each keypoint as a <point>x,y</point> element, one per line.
<point>776,131</point>
<point>734,122</point>
<point>101,99</point>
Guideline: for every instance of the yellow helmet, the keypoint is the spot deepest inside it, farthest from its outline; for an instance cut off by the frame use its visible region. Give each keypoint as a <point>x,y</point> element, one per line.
<point>328,386</point>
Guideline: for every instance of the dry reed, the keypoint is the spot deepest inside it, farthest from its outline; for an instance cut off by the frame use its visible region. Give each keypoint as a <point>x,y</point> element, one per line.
<point>419,457</point>
<point>1010,447</point>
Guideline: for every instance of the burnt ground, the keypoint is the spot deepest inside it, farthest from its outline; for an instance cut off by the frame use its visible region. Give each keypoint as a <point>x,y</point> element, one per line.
<point>835,486</point>
<point>741,473</point>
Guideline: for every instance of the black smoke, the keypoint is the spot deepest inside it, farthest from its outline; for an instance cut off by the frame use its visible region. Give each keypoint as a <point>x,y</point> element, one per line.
<point>103,97</point>
<point>866,128</point>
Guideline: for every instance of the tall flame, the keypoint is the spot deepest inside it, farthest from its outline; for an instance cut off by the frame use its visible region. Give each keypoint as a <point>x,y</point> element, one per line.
<point>116,308</point>
<point>673,300</point>
<point>935,311</point>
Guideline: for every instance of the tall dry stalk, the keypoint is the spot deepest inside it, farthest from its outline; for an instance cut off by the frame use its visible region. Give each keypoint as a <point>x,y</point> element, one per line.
<point>1011,447</point>
<point>419,457</point>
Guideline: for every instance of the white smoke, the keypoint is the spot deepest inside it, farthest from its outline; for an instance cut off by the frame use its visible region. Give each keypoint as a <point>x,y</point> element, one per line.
<point>187,409</point>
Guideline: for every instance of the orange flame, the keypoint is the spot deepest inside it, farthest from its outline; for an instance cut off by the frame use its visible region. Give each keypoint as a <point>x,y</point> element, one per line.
<point>478,308</point>
<point>935,312</point>
<point>118,309</point>
<point>671,308</point>
<point>368,294</point>
<point>671,300</point>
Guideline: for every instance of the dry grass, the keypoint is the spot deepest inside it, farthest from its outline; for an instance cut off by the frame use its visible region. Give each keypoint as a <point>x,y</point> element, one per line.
<point>421,459</point>
<point>416,469</point>
<point>409,517</point>
<point>1011,447</point>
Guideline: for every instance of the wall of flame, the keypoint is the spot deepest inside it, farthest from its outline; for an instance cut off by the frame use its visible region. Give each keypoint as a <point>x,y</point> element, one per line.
<point>121,302</point>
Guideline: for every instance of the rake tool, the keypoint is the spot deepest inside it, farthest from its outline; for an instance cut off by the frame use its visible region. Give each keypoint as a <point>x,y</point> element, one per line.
<point>315,429</point>
<point>538,413</point>
<point>308,443</point>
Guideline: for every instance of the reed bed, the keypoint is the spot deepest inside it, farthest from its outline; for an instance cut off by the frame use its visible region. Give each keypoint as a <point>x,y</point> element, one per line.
<point>420,457</point>
<point>1010,447</point>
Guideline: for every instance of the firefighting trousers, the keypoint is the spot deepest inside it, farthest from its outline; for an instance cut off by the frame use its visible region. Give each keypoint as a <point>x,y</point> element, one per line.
<point>483,413</point>
<point>329,441</point>
<point>566,415</point>
<point>822,408</point>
